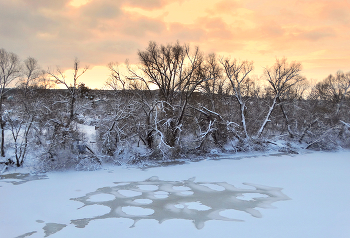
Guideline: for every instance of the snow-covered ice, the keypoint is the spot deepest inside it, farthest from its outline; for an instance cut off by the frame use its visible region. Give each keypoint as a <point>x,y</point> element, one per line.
<point>306,195</point>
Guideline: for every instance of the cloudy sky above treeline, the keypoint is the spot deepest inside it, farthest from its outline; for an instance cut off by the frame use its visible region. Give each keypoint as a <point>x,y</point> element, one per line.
<point>314,32</point>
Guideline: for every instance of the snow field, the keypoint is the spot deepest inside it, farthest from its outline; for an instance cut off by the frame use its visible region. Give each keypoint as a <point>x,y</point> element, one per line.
<point>315,186</point>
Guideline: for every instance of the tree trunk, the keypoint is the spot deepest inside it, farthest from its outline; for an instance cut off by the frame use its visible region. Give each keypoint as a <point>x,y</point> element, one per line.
<point>242,106</point>
<point>267,118</point>
<point>71,112</point>
<point>171,134</point>
<point>2,124</point>
<point>285,117</point>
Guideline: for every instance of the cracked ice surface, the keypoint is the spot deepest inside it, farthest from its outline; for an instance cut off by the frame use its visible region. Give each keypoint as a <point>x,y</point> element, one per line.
<point>21,178</point>
<point>201,203</point>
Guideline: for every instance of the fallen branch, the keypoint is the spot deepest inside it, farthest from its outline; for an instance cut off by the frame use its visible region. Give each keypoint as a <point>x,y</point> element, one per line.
<point>346,124</point>
<point>321,137</point>
<point>306,129</point>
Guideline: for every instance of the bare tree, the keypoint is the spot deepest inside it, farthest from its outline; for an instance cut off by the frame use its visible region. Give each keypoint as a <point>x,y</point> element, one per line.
<point>115,80</point>
<point>281,77</point>
<point>31,74</point>
<point>22,119</point>
<point>237,74</point>
<point>10,70</point>
<point>20,126</point>
<point>173,70</point>
<point>115,128</point>
<point>343,85</point>
<point>126,105</point>
<point>62,127</point>
<point>72,87</point>
<point>213,70</point>
<point>334,89</point>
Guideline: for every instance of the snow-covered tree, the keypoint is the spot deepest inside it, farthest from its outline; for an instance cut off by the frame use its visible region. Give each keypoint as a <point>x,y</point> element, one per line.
<point>10,70</point>
<point>281,77</point>
<point>173,70</point>
<point>60,78</point>
<point>237,74</point>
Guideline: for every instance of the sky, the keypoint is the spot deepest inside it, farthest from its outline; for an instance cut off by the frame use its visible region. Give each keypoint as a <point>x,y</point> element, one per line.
<point>55,32</point>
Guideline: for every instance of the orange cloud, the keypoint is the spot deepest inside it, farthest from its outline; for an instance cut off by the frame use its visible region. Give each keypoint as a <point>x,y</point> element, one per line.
<point>101,31</point>
<point>225,6</point>
<point>317,34</point>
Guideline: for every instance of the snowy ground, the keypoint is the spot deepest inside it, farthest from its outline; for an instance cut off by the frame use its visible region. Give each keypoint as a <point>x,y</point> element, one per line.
<point>310,194</point>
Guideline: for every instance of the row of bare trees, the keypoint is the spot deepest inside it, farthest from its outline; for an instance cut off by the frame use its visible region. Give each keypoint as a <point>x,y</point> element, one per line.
<point>23,74</point>
<point>177,73</point>
<point>31,117</point>
<point>176,101</point>
<point>258,109</point>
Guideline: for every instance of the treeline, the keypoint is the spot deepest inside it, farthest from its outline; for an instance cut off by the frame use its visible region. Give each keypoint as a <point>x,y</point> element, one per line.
<point>176,103</point>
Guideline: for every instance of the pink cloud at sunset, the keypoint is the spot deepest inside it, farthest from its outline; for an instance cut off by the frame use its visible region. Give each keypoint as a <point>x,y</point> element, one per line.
<point>316,33</point>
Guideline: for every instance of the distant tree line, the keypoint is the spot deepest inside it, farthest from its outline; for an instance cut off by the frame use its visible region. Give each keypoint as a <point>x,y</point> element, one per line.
<point>176,103</point>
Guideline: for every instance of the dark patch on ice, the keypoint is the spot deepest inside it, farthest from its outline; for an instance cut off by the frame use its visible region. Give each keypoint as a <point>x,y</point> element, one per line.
<point>52,228</point>
<point>144,165</point>
<point>173,162</point>
<point>27,234</point>
<point>21,178</point>
<point>189,200</point>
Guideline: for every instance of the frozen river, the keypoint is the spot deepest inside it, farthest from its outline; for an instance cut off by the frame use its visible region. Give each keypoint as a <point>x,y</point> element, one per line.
<point>304,195</point>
